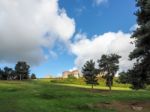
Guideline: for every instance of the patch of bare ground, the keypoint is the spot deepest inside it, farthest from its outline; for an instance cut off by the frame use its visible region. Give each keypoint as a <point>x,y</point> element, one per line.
<point>123,106</point>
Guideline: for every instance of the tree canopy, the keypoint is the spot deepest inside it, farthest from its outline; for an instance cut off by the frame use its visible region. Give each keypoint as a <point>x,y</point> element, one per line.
<point>90,73</point>
<point>108,64</point>
<point>22,70</point>
<point>33,76</point>
<point>140,74</point>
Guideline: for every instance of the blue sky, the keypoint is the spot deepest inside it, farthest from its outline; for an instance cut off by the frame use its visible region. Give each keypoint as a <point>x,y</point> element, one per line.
<point>91,21</point>
<point>97,19</point>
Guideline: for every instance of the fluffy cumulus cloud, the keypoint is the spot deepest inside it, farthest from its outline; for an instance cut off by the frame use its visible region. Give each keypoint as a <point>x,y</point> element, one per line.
<point>28,26</point>
<point>85,48</point>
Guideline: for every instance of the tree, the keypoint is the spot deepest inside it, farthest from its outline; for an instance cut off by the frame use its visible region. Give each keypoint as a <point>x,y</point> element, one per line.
<point>124,77</point>
<point>22,70</point>
<point>1,73</point>
<point>141,70</point>
<point>90,73</point>
<point>136,76</point>
<point>33,76</point>
<point>8,73</point>
<point>108,64</point>
<point>71,76</point>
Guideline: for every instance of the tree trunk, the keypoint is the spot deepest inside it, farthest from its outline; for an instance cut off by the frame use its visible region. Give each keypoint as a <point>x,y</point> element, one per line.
<point>109,87</point>
<point>92,86</point>
<point>109,83</point>
<point>20,76</point>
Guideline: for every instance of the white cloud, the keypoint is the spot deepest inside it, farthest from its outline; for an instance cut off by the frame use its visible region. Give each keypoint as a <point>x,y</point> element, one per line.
<point>28,25</point>
<point>107,43</point>
<point>98,2</point>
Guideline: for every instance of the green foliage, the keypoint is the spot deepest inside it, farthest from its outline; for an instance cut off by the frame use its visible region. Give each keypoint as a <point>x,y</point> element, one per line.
<point>22,70</point>
<point>90,73</point>
<point>141,70</point>
<point>124,77</point>
<point>70,76</point>
<point>1,73</point>
<point>33,76</point>
<point>108,64</point>
<point>7,73</point>
<point>137,77</point>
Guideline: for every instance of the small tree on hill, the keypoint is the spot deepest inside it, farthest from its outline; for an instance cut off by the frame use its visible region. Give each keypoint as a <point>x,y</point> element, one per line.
<point>71,76</point>
<point>108,64</point>
<point>90,73</point>
<point>33,76</point>
<point>22,70</point>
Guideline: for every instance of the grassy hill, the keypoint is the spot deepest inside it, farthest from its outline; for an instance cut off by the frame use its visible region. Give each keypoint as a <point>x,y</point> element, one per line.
<point>81,81</point>
<point>45,96</point>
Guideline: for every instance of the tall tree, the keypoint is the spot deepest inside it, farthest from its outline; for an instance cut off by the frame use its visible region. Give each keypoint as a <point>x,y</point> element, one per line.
<point>90,73</point>
<point>141,70</point>
<point>22,70</point>
<point>108,64</point>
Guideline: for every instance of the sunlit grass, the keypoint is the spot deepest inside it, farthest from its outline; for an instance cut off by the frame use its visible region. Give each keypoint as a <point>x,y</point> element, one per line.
<point>95,87</point>
<point>44,96</point>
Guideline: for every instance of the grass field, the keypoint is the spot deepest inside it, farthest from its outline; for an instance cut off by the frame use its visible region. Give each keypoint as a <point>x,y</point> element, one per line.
<point>44,96</point>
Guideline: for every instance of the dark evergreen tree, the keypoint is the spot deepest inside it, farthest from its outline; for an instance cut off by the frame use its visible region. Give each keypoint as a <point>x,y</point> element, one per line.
<point>22,70</point>
<point>33,76</point>
<point>7,73</point>
<point>140,73</point>
<point>108,64</point>
<point>1,74</point>
<point>90,73</point>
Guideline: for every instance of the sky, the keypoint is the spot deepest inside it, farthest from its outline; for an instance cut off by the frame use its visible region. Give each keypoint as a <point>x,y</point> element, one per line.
<point>53,36</point>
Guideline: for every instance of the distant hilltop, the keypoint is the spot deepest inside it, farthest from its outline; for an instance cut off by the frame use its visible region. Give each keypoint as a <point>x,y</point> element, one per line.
<point>74,73</point>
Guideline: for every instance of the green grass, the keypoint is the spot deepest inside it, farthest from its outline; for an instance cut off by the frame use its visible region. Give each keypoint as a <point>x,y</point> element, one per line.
<point>81,81</point>
<point>44,96</point>
<point>95,87</point>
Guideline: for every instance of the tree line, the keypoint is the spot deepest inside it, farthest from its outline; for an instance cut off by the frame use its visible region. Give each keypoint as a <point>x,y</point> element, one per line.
<point>20,72</point>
